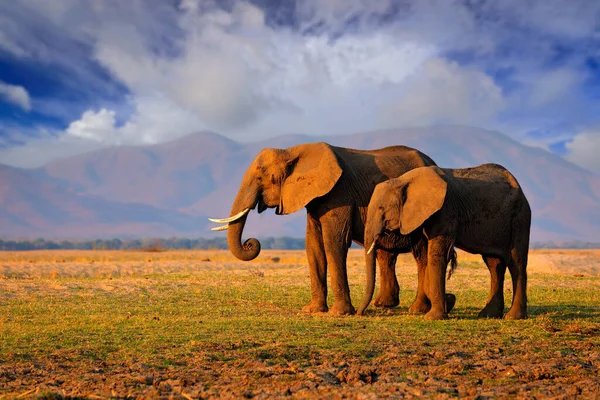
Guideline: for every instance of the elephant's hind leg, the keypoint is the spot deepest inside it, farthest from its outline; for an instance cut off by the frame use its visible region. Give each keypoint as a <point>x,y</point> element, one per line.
<point>517,265</point>
<point>317,267</point>
<point>495,303</point>
<point>389,290</point>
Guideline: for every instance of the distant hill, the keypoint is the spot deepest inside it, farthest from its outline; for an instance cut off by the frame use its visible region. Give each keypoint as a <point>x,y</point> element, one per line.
<point>32,205</point>
<point>170,188</point>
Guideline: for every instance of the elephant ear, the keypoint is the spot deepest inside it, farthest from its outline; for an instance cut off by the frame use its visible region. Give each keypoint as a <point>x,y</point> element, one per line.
<point>313,172</point>
<point>422,195</point>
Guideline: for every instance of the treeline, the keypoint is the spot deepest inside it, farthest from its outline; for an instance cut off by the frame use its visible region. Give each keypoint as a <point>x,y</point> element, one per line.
<point>576,244</point>
<point>175,243</point>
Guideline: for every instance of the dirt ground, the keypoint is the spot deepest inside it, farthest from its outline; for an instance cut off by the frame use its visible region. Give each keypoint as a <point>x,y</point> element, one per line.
<point>431,372</point>
<point>438,373</point>
<point>551,355</point>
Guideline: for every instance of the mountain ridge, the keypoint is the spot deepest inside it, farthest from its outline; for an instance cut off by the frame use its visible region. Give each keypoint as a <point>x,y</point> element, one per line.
<point>170,188</point>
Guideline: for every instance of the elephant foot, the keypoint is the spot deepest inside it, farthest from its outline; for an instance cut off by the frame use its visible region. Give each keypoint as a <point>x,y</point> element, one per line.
<point>315,307</point>
<point>420,306</point>
<point>434,314</point>
<point>493,309</point>
<point>342,308</point>
<point>387,300</point>
<point>450,302</point>
<point>514,313</point>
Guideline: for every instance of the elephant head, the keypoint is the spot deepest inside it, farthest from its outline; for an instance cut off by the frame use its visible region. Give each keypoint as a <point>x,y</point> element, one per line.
<point>284,179</point>
<point>400,205</point>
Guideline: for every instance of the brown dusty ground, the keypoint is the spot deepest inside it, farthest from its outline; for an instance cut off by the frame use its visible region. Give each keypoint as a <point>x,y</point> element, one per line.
<point>283,353</point>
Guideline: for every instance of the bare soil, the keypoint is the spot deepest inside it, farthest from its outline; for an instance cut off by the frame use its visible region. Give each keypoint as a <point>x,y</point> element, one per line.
<point>427,371</point>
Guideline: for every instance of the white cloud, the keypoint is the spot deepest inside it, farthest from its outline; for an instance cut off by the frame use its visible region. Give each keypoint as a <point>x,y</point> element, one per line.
<point>157,119</point>
<point>332,15</point>
<point>16,95</point>
<point>244,79</point>
<point>7,44</point>
<point>553,86</point>
<point>443,92</point>
<point>583,150</point>
<point>154,120</point>
<point>335,69</point>
<point>218,76</point>
<point>98,126</point>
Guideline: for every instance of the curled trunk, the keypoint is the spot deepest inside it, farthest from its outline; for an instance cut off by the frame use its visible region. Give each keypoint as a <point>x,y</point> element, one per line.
<point>247,251</point>
<point>247,197</point>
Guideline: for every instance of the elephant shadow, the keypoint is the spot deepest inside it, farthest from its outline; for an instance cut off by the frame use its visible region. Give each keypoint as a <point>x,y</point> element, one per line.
<point>565,312</point>
<point>560,313</point>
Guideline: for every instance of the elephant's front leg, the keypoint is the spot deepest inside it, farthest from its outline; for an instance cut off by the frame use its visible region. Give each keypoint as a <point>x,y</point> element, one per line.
<point>421,305</point>
<point>317,267</point>
<point>437,260</point>
<point>389,290</point>
<point>336,240</point>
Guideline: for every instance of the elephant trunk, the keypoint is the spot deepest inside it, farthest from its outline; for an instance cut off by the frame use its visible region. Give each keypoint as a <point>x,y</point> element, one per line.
<point>370,255</point>
<point>373,230</point>
<point>246,198</point>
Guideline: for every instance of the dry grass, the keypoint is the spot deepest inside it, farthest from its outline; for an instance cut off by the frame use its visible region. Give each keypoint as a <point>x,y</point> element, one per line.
<point>106,263</point>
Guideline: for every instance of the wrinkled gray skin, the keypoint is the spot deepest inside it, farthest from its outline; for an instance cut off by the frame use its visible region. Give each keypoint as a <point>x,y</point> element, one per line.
<point>334,184</point>
<point>481,210</point>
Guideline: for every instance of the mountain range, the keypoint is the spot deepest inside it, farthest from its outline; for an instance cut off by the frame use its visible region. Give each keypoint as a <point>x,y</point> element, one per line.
<point>170,189</point>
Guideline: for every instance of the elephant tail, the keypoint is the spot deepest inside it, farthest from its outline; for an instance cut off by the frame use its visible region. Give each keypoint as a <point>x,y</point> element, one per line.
<point>453,263</point>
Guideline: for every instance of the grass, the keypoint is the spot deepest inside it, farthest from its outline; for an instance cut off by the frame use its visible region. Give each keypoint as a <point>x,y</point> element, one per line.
<point>108,323</point>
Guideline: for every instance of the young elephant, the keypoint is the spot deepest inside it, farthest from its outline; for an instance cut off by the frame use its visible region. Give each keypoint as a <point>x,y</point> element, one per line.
<point>481,210</point>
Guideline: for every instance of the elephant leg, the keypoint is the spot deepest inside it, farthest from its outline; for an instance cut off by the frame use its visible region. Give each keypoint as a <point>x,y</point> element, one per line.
<point>421,305</point>
<point>495,303</point>
<point>336,241</point>
<point>389,290</point>
<point>317,267</point>
<point>437,261</point>
<point>517,265</point>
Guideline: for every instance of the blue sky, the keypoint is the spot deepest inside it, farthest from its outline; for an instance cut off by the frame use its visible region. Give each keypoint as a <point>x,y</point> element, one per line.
<point>77,75</point>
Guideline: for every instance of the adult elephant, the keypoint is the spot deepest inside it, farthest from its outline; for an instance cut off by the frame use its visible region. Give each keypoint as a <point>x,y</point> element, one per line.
<point>481,210</point>
<point>334,184</point>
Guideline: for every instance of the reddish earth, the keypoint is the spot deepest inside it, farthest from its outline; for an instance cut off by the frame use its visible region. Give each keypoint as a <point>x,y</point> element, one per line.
<point>431,372</point>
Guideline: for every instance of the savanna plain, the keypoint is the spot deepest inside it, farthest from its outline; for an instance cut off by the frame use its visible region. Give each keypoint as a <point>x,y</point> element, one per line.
<point>201,324</point>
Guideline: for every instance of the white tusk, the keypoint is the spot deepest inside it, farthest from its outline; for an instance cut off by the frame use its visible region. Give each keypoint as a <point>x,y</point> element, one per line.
<point>220,228</point>
<point>371,248</point>
<point>230,219</point>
